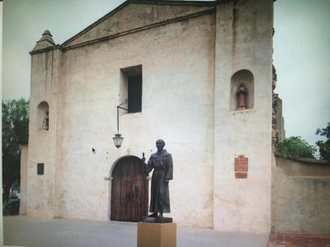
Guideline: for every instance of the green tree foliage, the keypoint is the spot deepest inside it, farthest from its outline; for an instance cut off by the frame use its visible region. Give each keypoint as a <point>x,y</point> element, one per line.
<point>15,116</point>
<point>324,146</point>
<point>295,147</point>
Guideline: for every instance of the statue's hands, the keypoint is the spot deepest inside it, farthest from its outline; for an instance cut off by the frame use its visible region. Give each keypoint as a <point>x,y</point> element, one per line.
<point>166,181</point>
<point>143,160</point>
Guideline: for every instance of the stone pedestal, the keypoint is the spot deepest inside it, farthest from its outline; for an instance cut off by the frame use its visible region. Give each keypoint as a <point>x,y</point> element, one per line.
<point>156,234</point>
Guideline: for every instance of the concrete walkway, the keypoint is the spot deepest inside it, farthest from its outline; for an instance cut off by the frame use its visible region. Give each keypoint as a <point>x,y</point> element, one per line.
<point>33,232</point>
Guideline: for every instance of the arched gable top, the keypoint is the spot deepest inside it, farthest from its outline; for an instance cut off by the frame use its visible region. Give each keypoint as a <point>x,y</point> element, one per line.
<point>43,104</point>
<point>243,75</point>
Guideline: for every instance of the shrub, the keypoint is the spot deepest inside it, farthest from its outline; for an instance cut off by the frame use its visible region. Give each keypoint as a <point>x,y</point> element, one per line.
<point>295,147</point>
<point>324,146</point>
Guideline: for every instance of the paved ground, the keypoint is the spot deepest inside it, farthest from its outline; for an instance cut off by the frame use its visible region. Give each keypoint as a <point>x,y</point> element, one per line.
<point>32,232</point>
<point>293,240</point>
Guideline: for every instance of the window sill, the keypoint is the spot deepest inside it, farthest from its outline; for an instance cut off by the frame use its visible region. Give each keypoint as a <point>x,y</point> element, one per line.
<point>242,111</point>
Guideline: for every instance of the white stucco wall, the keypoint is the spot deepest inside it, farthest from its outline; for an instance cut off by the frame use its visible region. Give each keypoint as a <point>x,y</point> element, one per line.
<point>244,41</point>
<point>42,143</point>
<point>300,195</point>
<point>187,67</point>
<point>177,107</point>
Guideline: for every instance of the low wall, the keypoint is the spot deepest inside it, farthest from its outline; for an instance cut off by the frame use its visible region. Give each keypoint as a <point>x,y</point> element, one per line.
<point>300,196</point>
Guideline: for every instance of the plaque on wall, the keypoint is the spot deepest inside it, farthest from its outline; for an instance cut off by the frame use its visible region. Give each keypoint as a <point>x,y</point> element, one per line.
<point>241,167</point>
<point>241,163</point>
<point>241,174</point>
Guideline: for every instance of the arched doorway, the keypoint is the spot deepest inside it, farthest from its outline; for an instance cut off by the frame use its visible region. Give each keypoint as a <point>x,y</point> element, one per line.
<point>129,190</point>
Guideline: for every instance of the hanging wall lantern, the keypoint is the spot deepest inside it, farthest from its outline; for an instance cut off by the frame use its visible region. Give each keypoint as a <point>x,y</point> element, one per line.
<point>118,139</point>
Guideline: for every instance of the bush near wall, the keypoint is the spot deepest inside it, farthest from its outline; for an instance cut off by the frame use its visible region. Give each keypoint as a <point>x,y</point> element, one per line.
<point>324,146</point>
<point>295,147</point>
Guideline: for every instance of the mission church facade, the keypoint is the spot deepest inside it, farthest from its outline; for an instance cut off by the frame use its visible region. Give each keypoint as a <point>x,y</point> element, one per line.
<point>178,65</point>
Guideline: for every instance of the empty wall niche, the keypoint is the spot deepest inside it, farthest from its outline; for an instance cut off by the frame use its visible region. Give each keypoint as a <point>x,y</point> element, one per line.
<point>242,91</point>
<point>131,88</point>
<point>42,122</point>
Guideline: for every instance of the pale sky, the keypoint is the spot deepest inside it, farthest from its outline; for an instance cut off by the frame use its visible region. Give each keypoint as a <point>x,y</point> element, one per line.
<point>301,51</point>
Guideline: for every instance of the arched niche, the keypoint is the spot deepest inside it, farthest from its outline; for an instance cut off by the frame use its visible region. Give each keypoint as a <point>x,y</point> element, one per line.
<point>242,77</point>
<point>43,116</point>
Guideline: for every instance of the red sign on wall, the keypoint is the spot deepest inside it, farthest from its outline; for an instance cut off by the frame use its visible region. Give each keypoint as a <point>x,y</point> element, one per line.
<point>241,167</point>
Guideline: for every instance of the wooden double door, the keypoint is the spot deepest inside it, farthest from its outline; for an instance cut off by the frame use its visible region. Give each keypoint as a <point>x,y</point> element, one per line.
<point>129,190</point>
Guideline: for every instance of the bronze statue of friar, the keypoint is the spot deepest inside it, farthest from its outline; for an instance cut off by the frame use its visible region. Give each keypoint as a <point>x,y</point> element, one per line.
<point>162,163</point>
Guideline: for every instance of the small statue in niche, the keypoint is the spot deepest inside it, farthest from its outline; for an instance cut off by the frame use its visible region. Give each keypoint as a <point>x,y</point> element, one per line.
<point>46,121</point>
<point>162,163</point>
<point>241,97</point>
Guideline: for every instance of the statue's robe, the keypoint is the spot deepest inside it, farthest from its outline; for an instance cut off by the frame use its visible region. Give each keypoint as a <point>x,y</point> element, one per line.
<point>162,164</point>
